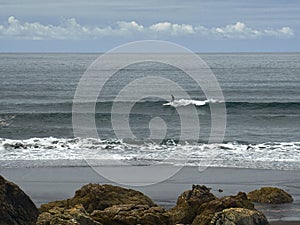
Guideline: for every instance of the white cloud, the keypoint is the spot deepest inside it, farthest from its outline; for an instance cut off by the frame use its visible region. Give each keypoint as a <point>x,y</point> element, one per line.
<point>242,31</point>
<point>172,29</point>
<point>71,29</point>
<point>130,26</point>
<point>287,30</point>
<point>161,27</point>
<point>238,30</point>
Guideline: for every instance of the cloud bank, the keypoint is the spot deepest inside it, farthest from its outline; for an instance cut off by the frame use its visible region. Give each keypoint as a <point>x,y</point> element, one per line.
<point>70,29</point>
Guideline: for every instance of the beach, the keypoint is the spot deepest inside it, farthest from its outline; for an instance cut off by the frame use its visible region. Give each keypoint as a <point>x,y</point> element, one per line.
<point>41,153</point>
<point>285,222</point>
<point>48,184</point>
<point>150,112</point>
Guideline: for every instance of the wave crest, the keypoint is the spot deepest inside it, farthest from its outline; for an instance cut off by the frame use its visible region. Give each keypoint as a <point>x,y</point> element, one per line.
<point>186,102</point>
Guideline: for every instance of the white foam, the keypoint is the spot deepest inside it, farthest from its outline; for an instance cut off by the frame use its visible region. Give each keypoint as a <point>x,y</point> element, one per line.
<point>186,102</point>
<point>6,120</point>
<point>46,150</point>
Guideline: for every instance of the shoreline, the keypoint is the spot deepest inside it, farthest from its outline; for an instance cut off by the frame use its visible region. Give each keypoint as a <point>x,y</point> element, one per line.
<point>282,222</point>
<point>49,184</point>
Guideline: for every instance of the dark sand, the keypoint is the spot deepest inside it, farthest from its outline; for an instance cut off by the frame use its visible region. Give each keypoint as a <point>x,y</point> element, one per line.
<point>49,184</point>
<point>285,223</point>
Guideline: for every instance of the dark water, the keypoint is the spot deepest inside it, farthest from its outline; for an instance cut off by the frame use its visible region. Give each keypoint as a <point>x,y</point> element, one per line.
<point>262,95</point>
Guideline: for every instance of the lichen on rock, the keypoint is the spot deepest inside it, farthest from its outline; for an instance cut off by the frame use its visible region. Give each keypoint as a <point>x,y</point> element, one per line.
<point>98,197</point>
<point>208,210</point>
<point>132,214</point>
<point>188,204</point>
<point>239,216</point>
<point>73,216</point>
<point>270,195</point>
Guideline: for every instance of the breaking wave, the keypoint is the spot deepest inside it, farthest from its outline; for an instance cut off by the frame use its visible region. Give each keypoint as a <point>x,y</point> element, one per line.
<point>37,152</point>
<point>186,102</point>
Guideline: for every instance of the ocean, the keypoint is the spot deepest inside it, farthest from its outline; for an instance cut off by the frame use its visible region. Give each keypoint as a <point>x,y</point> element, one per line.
<point>262,98</point>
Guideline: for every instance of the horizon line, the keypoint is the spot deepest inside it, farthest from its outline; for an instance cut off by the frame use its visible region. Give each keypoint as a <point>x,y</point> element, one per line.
<point>102,52</point>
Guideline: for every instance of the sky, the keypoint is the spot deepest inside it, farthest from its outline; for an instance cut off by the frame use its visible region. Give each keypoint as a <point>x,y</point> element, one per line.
<point>100,25</point>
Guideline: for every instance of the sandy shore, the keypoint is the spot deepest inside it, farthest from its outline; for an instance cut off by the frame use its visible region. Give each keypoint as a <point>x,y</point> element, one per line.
<point>48,184</point>
<point>285,223</point>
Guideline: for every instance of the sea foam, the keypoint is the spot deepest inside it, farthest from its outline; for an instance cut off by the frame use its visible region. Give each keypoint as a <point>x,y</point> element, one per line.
<point>44,151</point>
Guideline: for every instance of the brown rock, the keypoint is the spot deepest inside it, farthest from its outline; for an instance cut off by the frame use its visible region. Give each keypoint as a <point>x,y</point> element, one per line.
<point>207,210</point>
<point>74,216</point>
<point>56,204</point>
<point>239,216</point>
<point>16,208</point>
<point>132,214</point>
<point>96,196</point>
<point>270,195</point>
<point>188,204</point>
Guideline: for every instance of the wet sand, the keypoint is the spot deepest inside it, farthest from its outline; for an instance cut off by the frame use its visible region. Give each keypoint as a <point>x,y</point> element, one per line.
<point>285,223</point>
<point>49,184</point>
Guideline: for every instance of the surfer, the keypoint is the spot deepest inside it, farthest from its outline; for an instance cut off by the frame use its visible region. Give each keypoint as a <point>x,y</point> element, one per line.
<point>173,98</point>
<point>171,102</point>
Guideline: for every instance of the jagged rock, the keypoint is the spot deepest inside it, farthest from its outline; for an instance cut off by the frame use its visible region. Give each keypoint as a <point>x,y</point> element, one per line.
<point>73,216</point>
<point>16,208</point>
<point>132,215</point>
<point>270,195</point>
<point>188,204</point>
<point>239,216</point>
<point>96,196</point>
<point>207,210</point>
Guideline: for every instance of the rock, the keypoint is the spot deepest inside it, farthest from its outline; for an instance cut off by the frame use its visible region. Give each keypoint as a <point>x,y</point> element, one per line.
<point>207,210</point>
<point>73,216</point>
<point>188,204</point>
<point>19,145</point>
<point>270,195</point>
<point>239,216</point>
<point>132,214</point>
<point>16,208</point>
<point>98,197</point>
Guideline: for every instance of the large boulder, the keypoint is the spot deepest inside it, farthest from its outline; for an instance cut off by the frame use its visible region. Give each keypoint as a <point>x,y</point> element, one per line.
<point>73,216</point>
<point>188,204</point>
<point>98,197</point>
<point>270,195</point>
<point>131,215</point>
<point>239,216</point>
<point>207,210</point>
<point>16,208</point>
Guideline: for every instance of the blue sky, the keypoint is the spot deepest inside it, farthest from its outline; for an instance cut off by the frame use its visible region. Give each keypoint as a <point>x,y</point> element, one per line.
<point>201,25</point>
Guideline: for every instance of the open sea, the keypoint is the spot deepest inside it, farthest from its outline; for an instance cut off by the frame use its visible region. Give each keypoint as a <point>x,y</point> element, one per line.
<point>262,98</point>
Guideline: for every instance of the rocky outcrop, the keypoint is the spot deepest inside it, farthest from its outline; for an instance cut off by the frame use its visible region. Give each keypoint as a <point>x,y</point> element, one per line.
<point>207,211</point>
<point>16,208</point>
<point>73,216</point>
<point>132,214</point>
<point>239,216</point>
<point>96,204</point>
<point>104,204</point>
<point>188,203</point>
<point>270,195</point>
<point>98,197</point>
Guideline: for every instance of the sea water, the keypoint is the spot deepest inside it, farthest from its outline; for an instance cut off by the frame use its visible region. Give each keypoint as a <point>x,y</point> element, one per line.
<point>262,98</point>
